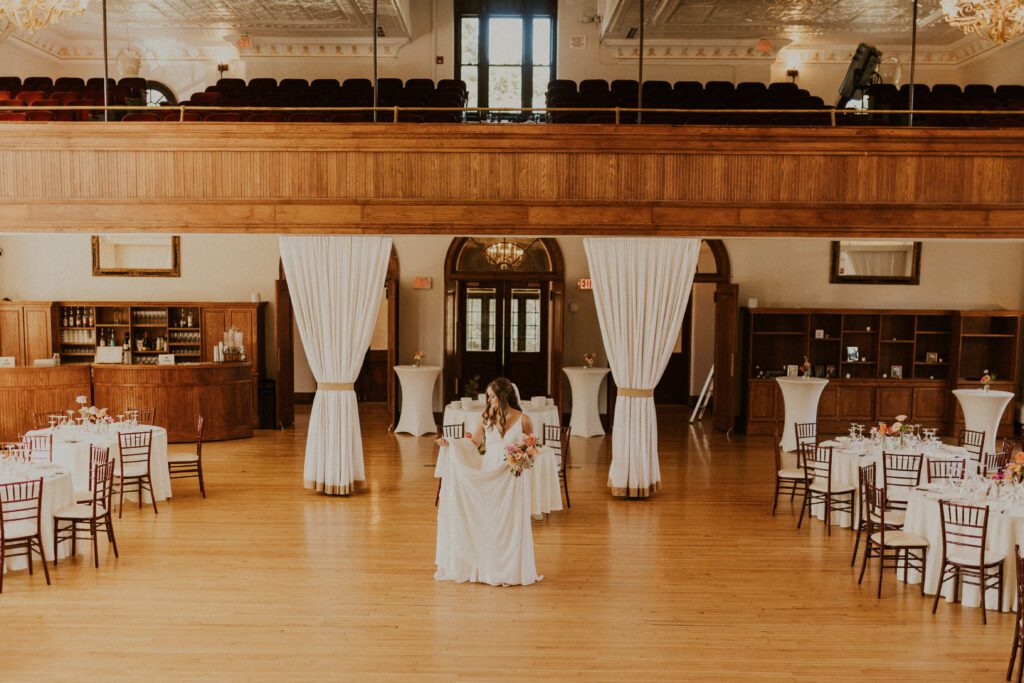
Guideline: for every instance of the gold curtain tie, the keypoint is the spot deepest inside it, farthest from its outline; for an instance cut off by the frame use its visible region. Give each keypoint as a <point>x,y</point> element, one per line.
<point>636,393</point>
<point>336,386</point>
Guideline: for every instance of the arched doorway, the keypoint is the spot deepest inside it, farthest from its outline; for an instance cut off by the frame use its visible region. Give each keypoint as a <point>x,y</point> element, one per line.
<point>504,321</point>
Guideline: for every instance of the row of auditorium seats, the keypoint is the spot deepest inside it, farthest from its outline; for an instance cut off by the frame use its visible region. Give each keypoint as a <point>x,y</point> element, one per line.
<point>1003,100</point>
<point>329,92</point>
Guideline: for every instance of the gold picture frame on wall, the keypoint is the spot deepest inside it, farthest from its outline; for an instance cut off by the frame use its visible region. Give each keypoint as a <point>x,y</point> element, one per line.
<point>136,255</point>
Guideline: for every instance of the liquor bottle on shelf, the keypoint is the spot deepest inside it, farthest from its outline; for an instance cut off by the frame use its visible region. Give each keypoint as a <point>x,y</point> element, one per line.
<point>64,318</point>
<point>92,317</point>
<point>189,319</point>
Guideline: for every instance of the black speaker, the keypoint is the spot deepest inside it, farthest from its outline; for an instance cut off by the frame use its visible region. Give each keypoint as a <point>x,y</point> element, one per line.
<point>862,70</point>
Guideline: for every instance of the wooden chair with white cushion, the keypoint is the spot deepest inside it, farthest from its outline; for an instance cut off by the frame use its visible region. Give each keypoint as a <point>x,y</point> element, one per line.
<point>944,470</point>
<point>94,515</point>
<point>893,548</point>
<point>787,480</point>
<point>40,447</point>
<point>557,439</point>
<point>964,555</point>
<point>189,465</point>
<point>821,489</point>
<point>901,473</point>
<point>97,456</point>
<point>136,453</point>
<point>972,441</point>
<point>21,504</point>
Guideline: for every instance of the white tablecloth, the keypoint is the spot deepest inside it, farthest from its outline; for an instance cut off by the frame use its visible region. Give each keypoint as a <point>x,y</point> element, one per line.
<point>545,492</point>
<point>585,384</point>
<point>847,459</point>
<point>800,395</point>
<point>417,382</point>
<point>982,412</point>
<point>1005,528</point>
<point>71,449</point>
<point>58,492</point>
<point>472,417</point>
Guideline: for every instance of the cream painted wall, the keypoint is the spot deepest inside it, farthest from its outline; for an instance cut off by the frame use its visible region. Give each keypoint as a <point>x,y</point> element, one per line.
<point>998,66</point>
<point>954,275</point>
<point>59,267</point>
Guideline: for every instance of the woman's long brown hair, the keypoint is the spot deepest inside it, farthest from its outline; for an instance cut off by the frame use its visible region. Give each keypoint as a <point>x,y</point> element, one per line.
<point>506,395</point>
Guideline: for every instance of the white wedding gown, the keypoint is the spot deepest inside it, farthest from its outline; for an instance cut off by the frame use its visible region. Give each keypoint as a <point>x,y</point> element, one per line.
<point>483,520</point>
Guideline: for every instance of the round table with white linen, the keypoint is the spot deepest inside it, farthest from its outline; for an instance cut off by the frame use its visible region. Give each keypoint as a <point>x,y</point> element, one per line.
<point>1005,529</point>
<point>417,382</point>
<point>58,493</point>
<point>585,384</point>
<point>800,395</point>
<point>472,416</point>
<point>982,412</point>
<point>71,449</point>
<point>848,457</point>
<point>545,492</point>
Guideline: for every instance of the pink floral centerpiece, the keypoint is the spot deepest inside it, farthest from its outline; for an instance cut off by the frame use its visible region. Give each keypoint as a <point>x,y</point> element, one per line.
<point>88,413</point>
<point>986,379</point>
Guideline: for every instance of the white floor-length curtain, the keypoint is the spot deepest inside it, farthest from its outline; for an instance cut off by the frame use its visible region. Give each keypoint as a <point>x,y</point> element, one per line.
<point>335,284</point>
<point>641,288</point>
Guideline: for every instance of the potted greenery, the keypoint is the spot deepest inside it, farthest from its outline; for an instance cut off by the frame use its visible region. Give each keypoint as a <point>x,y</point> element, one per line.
<point>470,389</point>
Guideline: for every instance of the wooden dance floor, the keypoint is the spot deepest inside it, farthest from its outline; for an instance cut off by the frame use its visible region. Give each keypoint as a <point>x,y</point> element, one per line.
<point>264,580</point>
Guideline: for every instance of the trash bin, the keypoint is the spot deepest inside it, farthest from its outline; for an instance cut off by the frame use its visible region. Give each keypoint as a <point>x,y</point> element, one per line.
<point>267,402</point>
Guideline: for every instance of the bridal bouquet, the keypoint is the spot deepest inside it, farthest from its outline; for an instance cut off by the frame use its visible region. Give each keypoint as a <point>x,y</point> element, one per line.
<point>519,456</point>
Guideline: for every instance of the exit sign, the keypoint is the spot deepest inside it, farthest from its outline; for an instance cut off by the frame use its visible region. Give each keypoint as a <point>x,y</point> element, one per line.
<point>422,283</point>
<point>584,284</point>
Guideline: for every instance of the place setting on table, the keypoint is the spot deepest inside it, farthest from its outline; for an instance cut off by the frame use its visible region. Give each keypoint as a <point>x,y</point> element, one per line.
<point>74,434</point>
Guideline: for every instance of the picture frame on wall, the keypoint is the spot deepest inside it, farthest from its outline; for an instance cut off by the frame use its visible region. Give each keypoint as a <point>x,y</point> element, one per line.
<point>931,357</point>
<point>852,354</point>
<point>830,371</point>
<point>792,370</point>
<point>896,372</point>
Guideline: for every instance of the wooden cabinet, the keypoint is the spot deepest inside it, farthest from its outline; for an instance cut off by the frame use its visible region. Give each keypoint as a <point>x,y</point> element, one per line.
<point>26,331</point>
<point>880,363</point>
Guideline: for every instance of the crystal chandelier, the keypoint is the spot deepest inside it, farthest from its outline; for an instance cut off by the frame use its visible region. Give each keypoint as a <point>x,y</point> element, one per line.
<point>995,20</point>
<point>32,15</point>
<point>504,255</point>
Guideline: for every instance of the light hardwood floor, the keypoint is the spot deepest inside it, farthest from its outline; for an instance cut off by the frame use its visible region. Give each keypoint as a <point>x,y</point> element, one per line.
<point>264,580</point>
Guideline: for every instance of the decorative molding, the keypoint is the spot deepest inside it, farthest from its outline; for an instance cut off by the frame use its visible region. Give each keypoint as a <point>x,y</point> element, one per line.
<point>387,48</point>
<point>662,50</point>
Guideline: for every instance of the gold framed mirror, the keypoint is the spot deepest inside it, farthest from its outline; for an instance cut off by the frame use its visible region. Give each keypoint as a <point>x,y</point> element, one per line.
<point>136,255</point>
<point>876,262</point>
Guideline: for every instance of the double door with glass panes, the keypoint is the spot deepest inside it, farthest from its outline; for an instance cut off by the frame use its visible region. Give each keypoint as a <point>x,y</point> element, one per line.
<point>503,332</point>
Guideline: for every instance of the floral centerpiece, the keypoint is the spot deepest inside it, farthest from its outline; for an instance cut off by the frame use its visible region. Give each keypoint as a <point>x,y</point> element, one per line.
<point>88,413</point>
<point>895,430</point>
<point>519,456</point>
<point>589,359</point>
<point>805,367</point>
<point>418,357</point>
<point>986,379</point>
<point>1014,472</point>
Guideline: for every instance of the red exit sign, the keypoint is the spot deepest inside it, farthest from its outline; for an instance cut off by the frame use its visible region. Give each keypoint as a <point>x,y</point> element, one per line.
<point>585,284</point>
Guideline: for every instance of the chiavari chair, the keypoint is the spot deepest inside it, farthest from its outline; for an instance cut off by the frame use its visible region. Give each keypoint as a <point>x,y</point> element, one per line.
<point>965,560</point>
<point>820,488</point>
<point>901,472</point>
<point>787,480</point>
<point>46,419</point>
<point>40,447</point>
<point>136,450</point>
<point>452,431</point>
<point>893,548</point>
<point>806,432</point>
<point>972,441</point>
<point>21,504</point>
<point>95,515</point>
<point>557,439</point>
<point>944,470</point>
<point>144,416</point>
<point>97,456</point>
<point>993,462</point>
<point>189,465</point>
<point>893,518</point>
<point>1018,621</point>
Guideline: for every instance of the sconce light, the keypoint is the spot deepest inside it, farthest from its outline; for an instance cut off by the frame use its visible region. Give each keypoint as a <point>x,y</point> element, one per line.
<point>792,74</point>
<point>764,46</point>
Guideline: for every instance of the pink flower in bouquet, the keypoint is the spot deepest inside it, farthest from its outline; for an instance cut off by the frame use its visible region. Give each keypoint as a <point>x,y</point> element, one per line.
<point>519,456</point>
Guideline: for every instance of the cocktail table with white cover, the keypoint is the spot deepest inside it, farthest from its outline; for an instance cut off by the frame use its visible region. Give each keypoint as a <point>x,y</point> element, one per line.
<point>58,492</point>
<point>1005,529</point>
<point>800,395</point>
<point>71,449</point>
<point>982,412</point>
<point>585,383</point>
<point>545,492</point>
<point>417,398</point>
<point>848,457</point>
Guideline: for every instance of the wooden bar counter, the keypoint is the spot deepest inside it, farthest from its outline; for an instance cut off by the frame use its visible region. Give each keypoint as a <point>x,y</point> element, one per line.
<point>221,392</point>
<point>27,390</point>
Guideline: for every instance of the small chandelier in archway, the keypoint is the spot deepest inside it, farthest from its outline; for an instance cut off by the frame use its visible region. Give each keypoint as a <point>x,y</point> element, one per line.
<point>505,254</point>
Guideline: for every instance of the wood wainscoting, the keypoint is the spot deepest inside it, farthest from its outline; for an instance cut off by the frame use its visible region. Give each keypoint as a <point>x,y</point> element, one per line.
<point>518,179</point>
<point>24,391</point>
<point>220,392</point>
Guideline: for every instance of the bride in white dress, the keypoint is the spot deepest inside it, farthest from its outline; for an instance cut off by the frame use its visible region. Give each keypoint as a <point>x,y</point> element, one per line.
<point>483,519</point>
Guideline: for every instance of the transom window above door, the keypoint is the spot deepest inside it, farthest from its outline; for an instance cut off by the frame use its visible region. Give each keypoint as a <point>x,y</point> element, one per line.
<point>505,52</point>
